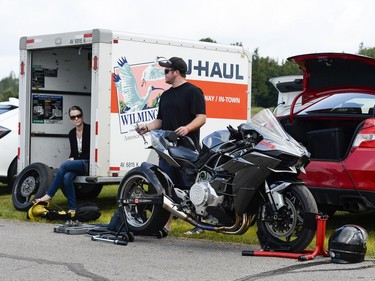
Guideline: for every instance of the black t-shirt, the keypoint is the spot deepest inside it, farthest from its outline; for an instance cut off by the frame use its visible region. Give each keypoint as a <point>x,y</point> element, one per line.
<point>179,106</point>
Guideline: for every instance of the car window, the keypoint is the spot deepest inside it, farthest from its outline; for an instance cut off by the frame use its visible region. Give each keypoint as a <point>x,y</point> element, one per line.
<point>5,108</point>
<point>348,103</point>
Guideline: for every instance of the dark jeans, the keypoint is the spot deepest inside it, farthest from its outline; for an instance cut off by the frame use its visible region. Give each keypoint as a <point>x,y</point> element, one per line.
<point>177,175</point>
<point>64,179</point>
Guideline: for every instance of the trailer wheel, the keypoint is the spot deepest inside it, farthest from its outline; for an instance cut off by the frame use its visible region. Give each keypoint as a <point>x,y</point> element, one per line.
<point>31,183</point>
<point>87,191</point>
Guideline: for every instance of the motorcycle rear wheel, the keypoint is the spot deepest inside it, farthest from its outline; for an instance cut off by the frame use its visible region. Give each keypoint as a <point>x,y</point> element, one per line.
<point>142,219</point>
<point>284,230</point>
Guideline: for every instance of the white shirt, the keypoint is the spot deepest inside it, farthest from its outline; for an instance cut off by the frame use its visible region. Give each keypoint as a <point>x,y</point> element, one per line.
<point>79,144</point>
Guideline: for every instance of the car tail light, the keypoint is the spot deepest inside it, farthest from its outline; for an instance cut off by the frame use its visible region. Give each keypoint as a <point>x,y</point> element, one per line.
<point>366,136</point>
<point>3,131</point>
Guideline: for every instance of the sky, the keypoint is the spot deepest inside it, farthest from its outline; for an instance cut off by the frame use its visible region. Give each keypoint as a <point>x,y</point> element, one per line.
<point>277,28</point>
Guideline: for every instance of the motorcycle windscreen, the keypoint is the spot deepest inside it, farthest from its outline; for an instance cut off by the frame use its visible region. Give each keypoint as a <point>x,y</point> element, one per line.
<point>213,141</point>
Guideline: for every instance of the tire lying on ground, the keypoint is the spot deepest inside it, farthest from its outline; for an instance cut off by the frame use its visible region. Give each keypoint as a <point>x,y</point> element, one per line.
<point>32,182</point>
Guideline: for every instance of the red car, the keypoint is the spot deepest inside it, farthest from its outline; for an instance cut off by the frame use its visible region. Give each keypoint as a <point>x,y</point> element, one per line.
<point>337,125</point>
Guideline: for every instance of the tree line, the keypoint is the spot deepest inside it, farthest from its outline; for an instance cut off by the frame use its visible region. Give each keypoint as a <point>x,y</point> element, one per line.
<point>9,87</point>
<point>263,92</point>
<point>263,68</point>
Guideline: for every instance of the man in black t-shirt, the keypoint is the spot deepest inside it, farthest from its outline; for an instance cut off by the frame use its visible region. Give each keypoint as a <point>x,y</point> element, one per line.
<point>182,109</point>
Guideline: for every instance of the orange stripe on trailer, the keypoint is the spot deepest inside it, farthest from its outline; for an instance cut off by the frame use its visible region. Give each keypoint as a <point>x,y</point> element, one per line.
<point>114,101</point>
<point>224,100</point>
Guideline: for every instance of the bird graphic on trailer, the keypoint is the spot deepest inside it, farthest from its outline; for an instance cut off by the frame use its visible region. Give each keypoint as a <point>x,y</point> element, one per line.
<point>152,72</point>
<point>126,84</point>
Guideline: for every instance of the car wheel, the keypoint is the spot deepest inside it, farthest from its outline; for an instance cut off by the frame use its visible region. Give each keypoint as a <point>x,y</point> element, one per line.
<point>12,172</point>
<point>87,191</point>
<point>31,183</point>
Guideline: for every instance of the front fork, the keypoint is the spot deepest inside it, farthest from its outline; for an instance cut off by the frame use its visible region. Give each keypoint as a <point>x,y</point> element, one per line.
<point>275,194</point>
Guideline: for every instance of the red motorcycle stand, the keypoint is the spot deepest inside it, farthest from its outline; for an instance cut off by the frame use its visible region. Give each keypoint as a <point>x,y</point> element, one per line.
<point>306,254</point>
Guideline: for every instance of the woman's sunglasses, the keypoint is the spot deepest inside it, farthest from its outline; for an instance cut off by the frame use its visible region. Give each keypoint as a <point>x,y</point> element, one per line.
<point>74,117</point>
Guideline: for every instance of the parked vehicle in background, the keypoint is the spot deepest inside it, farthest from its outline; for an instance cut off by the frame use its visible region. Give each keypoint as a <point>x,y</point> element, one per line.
<point>288,87</point>
<point>8,140</point>
<point>336,123</point>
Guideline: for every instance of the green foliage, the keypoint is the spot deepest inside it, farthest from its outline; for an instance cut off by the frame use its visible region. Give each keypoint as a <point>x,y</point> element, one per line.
<point>264,68</point>
<point>8,87</point>
<point>208,39</point>
<point>237,44</point>
<point>370,52</point>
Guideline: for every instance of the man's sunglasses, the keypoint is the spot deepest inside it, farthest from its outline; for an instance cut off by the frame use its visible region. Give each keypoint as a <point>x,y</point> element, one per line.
<point>74,117</point>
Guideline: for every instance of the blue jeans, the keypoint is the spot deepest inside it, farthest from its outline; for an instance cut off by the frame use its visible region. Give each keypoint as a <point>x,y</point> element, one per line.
<point>64,179</point>
<point>178,176</point>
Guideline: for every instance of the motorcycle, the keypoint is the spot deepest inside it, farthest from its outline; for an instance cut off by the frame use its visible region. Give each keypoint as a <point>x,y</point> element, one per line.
<point>240,176</point>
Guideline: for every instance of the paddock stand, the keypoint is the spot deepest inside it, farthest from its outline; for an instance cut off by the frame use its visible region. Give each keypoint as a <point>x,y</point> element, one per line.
<point>305,254</point>
<point>122,238</point>
<point>149,199</point>
<point>119,237</point>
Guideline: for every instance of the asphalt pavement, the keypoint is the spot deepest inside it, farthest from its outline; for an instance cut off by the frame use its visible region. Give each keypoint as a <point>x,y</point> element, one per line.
<point>33,251</point>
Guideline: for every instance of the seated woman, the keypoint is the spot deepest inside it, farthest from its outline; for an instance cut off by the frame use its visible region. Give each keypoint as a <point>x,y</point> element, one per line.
<point>79,138</point>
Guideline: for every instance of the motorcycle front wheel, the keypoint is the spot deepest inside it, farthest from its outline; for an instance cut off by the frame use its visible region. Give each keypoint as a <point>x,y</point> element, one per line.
<point>292,227</point>
<point>143,219</point>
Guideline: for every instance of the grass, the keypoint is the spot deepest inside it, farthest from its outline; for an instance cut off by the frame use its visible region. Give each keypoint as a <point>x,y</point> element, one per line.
<point>107,204</point>
<point>255,110</point>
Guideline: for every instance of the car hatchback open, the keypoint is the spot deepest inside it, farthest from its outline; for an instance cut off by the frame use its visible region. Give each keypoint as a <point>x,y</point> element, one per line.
<point>336,123</point>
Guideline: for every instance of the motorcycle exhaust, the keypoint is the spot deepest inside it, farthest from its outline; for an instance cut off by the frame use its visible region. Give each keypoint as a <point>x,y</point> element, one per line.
<point>241,225</point>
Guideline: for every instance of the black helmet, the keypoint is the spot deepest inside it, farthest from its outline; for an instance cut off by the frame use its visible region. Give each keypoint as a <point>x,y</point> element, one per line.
<point>87,212</point>
<point>348,244</point>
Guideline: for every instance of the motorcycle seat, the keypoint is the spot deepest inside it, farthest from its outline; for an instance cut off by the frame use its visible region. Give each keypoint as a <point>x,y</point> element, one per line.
<point>184,153</point>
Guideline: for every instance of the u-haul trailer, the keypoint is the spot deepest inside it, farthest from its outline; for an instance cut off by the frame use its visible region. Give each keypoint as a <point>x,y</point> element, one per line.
<point>116,80</point>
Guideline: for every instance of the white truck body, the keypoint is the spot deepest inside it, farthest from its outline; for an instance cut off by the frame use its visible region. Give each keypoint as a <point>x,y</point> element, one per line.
<point>96,70</point>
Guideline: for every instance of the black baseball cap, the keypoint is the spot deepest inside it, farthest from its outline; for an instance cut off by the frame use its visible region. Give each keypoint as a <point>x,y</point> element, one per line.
<point>175,63</point>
